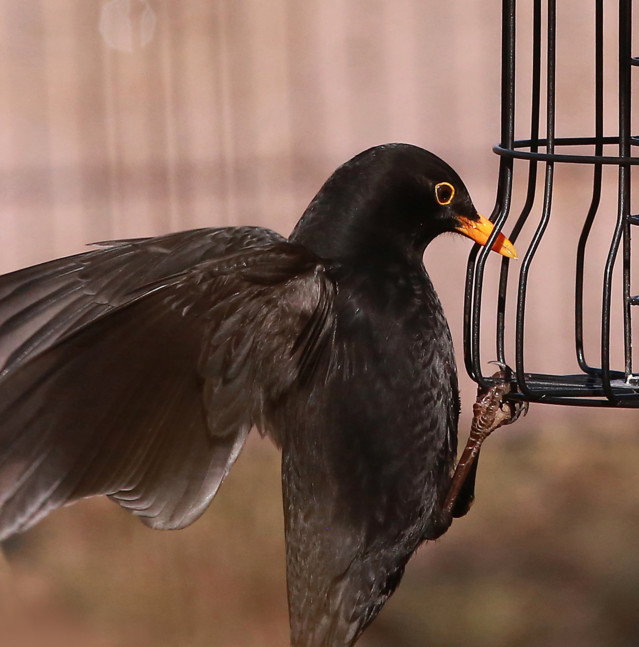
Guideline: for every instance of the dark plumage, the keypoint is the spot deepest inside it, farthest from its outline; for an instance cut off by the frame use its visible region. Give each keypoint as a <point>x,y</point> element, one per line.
<point>137,370</point>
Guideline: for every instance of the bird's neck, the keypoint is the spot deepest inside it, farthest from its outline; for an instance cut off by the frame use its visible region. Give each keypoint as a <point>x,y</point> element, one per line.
<point>359,234</point>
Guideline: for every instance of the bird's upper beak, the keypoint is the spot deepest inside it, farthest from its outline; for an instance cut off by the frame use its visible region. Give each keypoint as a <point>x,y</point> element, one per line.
<point>480,230</point>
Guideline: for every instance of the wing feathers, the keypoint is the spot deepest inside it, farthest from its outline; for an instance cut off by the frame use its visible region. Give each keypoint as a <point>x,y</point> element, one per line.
<point>41,304</point>
<point>137,371</point>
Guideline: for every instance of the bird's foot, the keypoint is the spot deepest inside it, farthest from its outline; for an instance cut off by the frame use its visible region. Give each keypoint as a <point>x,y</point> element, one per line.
<point>491,410</point>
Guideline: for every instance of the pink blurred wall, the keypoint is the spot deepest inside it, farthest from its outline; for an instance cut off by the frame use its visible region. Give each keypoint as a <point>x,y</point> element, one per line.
<point>129,118</point>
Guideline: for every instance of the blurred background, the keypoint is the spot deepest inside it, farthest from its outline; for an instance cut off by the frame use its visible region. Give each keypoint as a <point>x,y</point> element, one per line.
<point>125,118</point>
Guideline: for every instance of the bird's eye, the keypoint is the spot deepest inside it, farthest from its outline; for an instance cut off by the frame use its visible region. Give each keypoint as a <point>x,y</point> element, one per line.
<point>444,192</point>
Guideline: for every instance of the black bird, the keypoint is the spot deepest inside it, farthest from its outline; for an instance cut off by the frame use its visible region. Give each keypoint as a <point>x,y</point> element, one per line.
<point>137,370</point>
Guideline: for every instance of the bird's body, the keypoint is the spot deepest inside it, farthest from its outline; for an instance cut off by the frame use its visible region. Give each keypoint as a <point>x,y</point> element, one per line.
<point>137,371</point>
<point>357,503</point>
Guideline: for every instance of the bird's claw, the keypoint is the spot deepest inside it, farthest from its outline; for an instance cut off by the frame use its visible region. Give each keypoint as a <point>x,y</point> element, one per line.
<point>491,410</point>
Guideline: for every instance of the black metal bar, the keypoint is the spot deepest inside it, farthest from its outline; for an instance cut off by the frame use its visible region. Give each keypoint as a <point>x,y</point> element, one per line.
<point>624,149</point>
<point>477,259</point>
<point>547,202</point>
<point>532,180</point>
<point>625,136</point>
<point>628,402</point>
<point>515,153</point>
<point>596,191</point>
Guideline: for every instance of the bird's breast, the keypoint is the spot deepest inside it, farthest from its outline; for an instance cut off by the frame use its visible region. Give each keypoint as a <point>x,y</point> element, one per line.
<point>375,437</point>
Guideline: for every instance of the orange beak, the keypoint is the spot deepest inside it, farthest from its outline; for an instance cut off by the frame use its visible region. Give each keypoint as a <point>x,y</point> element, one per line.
<point>480,230</point>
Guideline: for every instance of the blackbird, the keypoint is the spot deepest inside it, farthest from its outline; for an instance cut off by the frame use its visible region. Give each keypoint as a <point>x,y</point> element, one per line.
<point>137,369</point>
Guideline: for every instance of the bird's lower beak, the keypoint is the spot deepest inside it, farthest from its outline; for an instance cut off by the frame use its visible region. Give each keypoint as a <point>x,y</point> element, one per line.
<point>480,230</point>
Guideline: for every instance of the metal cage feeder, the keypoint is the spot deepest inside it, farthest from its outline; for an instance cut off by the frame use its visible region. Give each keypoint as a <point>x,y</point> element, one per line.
<point>597,383</point>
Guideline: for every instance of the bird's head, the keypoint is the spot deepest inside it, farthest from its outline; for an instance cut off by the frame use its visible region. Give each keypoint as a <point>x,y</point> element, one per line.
<point>389,199</point>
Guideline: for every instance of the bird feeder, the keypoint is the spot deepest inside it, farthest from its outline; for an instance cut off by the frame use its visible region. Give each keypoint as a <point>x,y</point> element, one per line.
<point>599,379</point>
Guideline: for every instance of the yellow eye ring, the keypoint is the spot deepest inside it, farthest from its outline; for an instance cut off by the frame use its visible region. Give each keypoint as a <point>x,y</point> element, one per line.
<point>444,193</point>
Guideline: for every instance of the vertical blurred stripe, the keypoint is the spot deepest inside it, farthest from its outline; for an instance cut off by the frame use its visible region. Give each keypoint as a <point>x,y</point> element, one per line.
<point>28,193</point>
<point>169,35</point>
<point>64,208</point>
<point>366,69</point>
<point>9,257</point>
<point>307,105</point>
<point>269,61</point>
<point>225,115</point>
<point>112,155</point>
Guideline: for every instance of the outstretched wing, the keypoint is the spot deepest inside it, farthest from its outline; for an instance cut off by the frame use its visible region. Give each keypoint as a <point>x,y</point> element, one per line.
<point>41,304</point>
<point>137,370</point>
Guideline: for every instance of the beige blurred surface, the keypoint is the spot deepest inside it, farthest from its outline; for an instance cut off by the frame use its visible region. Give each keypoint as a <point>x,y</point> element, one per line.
<point>128,118</point>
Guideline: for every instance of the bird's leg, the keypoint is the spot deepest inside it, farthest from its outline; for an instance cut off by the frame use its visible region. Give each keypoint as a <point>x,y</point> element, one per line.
<point>490,412</point>
<point>464,490</point>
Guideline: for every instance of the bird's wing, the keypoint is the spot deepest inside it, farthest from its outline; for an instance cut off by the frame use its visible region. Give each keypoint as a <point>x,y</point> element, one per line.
<point>41,304</point>
<point>137,371</point>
